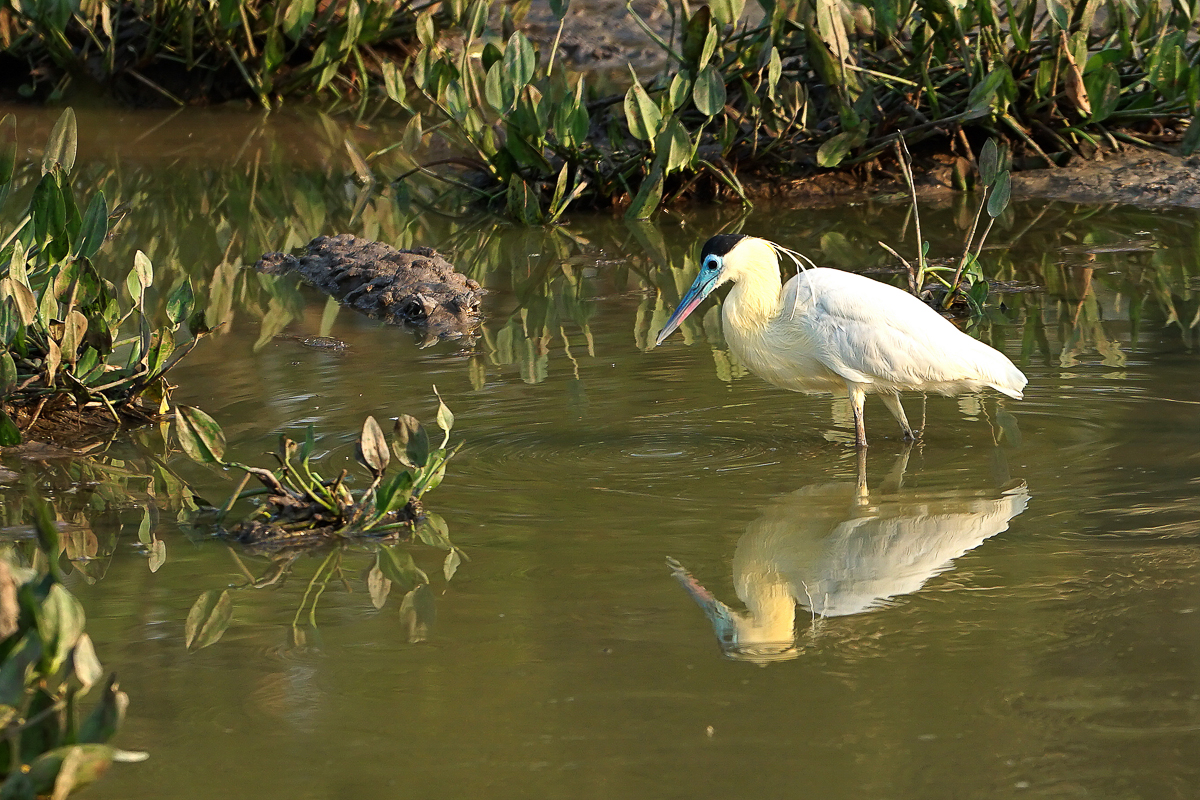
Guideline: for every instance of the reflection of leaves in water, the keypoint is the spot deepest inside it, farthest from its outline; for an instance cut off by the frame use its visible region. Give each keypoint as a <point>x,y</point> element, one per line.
<point>208,620</point>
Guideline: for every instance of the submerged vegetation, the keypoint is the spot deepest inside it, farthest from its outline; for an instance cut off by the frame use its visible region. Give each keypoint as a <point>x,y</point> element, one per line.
<point>74,355</point>
<point>47,665</point>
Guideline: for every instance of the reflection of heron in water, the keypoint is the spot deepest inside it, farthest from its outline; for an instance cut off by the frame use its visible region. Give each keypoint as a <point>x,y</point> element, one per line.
<point>834,553</point>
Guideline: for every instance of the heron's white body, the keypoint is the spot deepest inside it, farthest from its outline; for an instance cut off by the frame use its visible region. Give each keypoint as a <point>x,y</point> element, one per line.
<point>829,330</point>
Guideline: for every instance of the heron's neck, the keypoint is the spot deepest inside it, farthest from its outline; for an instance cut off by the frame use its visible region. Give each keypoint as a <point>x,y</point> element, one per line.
<point>756,297</point>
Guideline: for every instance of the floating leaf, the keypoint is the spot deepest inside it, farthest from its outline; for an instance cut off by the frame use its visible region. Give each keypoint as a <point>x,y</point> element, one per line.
<point>208,620</point>
<point>372,450</point>
<point>199,435</point>
<point>410,443</point>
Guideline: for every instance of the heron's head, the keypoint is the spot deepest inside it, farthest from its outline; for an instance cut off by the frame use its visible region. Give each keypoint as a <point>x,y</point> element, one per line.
<point>720,262</point>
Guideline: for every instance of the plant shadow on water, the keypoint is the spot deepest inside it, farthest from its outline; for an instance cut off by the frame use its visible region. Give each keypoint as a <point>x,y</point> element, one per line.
<point>836,549</point>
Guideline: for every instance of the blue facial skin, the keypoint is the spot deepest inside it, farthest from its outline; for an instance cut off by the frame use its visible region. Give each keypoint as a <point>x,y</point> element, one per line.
<point>705,282</point>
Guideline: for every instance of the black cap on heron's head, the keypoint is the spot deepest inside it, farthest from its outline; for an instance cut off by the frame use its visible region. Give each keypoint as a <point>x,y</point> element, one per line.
<point>720,244</point>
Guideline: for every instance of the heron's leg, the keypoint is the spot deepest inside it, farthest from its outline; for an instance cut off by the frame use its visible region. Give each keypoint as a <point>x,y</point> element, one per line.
<point>892,401</point>
<point>861,488</point>
<point>857,398</point>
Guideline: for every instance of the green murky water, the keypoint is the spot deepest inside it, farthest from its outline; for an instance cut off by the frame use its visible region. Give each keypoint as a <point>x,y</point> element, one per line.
<point>1013,611</point>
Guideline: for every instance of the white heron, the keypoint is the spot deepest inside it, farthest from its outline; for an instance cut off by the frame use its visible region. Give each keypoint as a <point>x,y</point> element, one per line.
<point>832,331</point>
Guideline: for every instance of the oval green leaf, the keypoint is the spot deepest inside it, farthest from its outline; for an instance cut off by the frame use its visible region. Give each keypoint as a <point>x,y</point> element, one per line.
<point>208,620</point>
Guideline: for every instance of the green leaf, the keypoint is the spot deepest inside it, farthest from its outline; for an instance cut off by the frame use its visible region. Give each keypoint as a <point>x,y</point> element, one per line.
<point>1000,195</point>
<point>523,203</point>
<point>10,434</point>
<point>648,196</point>
<point>48,210</point>
<point>16,665</point>
<point>774,72</point>
<point>445,418</point>
<point>296,18</point>
<point>393,82</point>
<point>425,32</point>
<point>199,435</point>
<point>60,620</point>
<point>709,92</point>
<point>726,12</point>
<point>179,304</point>
<point>94,228</point>
<point>989,162</point>
<point>695,36</point>
<point>372,450</point>
<point>834,149</point>
<point>410,443</point>
<point>208,619</point>
<point>394,494</point>
<point>477,16</point>
<point>8,374</point>
<point>434,531</point>
<point>519,61</point>
<point>1191,137</point>
<point>400,569</point>
<point>674,146</point>
<point>641,113</point>
<point>62,144</point>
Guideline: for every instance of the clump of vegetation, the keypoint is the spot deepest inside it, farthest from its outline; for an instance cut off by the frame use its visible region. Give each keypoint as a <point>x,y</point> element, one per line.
<point>47,664</point>
<point>959,285</point>
<point>160,52</point>
<point>71,352</point>
<point>819,84</point>
<point>297,503</point>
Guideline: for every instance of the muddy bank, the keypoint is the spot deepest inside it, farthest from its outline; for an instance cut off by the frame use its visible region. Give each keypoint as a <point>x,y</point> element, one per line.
<point>1148,178</point>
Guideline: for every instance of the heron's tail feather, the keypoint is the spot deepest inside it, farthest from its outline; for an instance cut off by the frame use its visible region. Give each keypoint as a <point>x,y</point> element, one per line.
<point>1012,383</point>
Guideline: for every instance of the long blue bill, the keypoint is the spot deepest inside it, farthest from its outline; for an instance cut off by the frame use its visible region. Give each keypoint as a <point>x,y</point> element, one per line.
<point>695,295</point>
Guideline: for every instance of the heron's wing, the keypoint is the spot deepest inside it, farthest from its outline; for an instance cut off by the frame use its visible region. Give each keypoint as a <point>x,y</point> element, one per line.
<point>871,333</point>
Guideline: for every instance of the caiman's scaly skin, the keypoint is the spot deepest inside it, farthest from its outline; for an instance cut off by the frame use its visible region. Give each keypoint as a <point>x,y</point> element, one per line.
<point>417,286</point>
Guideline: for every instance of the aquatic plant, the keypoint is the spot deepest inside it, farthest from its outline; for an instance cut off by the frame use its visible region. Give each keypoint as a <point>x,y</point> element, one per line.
<point>155,51</point>
<point>958,284</point>
<point>47,664</point>
<point>818,84</point>
<point>299,503</point>
<point>71,348</point>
